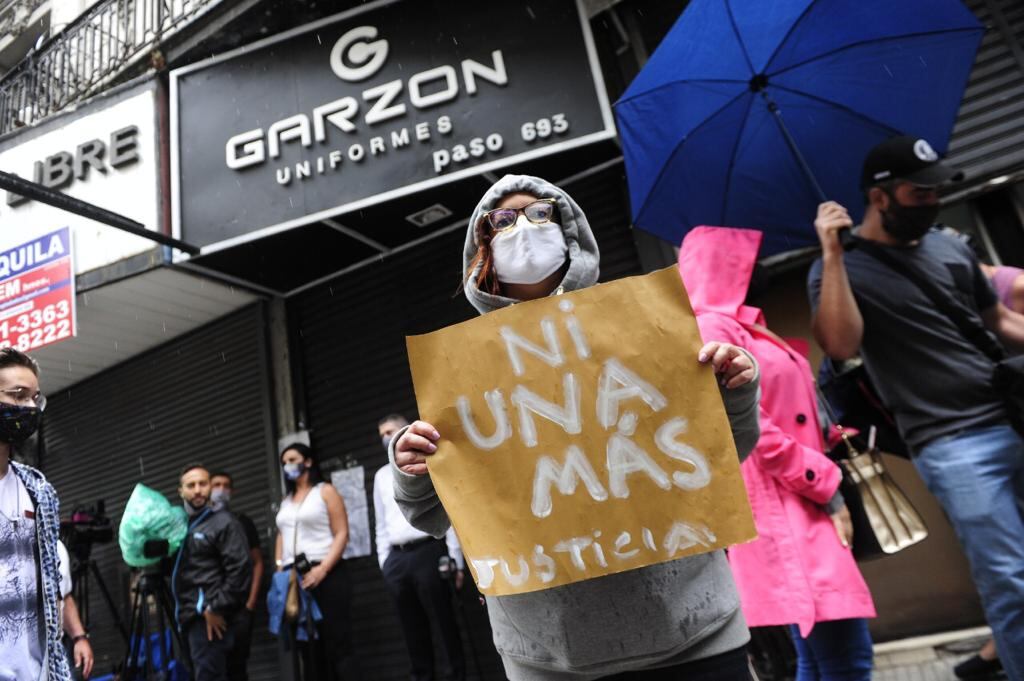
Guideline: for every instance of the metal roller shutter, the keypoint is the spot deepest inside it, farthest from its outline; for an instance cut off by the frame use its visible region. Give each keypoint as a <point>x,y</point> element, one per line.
<point>204,397</point>
<point>351,335</point>
<point>988,139</point>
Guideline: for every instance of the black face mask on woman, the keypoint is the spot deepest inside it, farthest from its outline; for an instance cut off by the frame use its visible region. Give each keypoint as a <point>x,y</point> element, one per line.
<point>908,223</point>
<point>17,424</point>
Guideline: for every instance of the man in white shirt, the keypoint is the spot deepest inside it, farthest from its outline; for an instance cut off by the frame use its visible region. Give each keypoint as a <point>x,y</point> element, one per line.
<point>410,561</point>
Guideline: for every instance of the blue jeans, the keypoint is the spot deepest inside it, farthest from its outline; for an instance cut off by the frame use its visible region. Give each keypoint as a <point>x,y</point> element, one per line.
<point>834,651</point>
<point>978,477</point>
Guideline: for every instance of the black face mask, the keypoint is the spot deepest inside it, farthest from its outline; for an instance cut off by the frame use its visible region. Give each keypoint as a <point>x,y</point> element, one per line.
<point>17,424</point>
<point>908,223</point>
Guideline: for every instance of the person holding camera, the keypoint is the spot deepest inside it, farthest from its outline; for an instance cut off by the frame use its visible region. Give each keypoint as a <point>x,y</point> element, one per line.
<point>30,626</point>
<point>211,578</point>
<point>312,531</point>
<point>410,561</point>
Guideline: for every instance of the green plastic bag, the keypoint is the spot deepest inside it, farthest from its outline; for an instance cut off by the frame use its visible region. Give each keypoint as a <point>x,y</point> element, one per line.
<point>148,515</point>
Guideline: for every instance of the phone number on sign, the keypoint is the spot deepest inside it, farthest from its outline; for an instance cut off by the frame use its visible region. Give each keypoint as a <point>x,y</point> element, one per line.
<point>37,328</point>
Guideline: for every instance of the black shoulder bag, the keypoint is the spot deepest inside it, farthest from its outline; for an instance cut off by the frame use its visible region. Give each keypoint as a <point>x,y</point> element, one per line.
<point>1008,375</point>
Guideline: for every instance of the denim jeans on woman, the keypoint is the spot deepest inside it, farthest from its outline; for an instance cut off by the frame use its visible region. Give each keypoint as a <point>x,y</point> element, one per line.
<point>834,651</point>
<point>978,477</point>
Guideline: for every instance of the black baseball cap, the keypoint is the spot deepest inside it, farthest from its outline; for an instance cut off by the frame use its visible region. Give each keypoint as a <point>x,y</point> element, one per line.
<point>906,158</point>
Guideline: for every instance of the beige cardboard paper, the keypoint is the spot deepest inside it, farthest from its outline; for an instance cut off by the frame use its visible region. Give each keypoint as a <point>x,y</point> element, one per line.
<point>580,437</point>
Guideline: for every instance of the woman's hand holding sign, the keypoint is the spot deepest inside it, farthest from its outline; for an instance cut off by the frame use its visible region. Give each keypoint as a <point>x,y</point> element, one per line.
<point>732,364</point>
<point>415,445</point>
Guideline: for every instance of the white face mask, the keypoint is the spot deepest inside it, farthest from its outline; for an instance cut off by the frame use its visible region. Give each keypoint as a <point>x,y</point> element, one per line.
<point>219,498</point>
<point>528,253</point>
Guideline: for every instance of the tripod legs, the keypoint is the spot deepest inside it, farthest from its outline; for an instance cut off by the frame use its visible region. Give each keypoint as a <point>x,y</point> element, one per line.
<point>106,597</point>
<point>135,646</point>
<point>80,579</point>
<point>151,587</point>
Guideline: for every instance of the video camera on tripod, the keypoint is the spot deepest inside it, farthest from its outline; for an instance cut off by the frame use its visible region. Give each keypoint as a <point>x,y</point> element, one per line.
<point>88,526</point>
<point>151,531</point>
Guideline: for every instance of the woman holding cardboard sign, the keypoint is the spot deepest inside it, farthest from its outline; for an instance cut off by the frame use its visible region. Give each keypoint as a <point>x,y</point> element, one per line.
<point>528,240</point>
<point>800,570</point>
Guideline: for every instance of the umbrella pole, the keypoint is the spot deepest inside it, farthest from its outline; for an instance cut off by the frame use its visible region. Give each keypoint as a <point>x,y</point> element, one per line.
<point>801,161</point>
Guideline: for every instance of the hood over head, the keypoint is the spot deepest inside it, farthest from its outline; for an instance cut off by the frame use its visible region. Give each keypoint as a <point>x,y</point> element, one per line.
<point>584,258</point>
<point>716,264</point>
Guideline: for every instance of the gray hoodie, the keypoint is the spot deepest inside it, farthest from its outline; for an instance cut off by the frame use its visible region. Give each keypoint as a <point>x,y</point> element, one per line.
<point>657,616</point>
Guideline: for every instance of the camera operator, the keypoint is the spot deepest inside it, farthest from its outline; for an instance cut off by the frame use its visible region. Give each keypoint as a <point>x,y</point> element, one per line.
<point>211,578</point>
<point>414,566</point>
<point>81,649</point>
<point>30,646</point>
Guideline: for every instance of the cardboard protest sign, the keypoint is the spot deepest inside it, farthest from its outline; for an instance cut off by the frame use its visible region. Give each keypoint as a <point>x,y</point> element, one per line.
<point>580,437</point>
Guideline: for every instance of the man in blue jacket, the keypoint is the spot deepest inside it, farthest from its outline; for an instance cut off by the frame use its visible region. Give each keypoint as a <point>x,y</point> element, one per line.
<point>211,578</point>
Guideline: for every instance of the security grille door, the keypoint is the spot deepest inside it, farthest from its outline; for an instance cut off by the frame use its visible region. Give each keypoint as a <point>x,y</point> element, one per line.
<point>203,397</point>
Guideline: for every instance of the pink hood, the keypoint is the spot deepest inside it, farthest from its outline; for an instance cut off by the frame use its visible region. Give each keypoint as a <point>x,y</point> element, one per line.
<point>716,264</point>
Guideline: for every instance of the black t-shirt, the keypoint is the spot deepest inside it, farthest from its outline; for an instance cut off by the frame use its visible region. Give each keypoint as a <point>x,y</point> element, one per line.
<point>934,380</point>
<point>252,535</point>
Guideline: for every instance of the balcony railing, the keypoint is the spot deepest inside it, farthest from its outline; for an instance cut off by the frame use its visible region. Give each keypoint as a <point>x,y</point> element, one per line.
<point>89,54</point>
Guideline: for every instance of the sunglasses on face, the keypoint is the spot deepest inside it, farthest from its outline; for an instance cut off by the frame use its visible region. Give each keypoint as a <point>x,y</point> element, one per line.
<point>537,212</point>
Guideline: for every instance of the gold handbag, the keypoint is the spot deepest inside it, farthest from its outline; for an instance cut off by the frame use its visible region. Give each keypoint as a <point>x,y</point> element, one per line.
<point>884,520</point>
<point>291,601</point>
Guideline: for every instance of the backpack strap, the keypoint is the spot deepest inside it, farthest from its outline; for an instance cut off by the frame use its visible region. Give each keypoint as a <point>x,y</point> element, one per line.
<point>971,328</point>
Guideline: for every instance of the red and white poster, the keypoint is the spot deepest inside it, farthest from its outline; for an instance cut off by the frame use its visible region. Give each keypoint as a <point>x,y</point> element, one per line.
<point>37,292</point>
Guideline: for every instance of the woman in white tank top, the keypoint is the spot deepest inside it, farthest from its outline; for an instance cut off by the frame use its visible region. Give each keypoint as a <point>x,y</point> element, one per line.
<point>312,525</point>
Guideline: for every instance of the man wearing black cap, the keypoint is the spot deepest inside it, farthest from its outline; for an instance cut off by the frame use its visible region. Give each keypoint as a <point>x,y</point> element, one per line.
<point>934,379</point>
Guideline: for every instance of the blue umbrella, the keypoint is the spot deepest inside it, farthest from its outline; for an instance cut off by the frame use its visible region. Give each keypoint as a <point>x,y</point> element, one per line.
<point>751,112</point>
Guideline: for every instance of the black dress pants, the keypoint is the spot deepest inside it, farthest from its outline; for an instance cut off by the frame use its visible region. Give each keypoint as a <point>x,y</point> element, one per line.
<point>238,656</point>
<point>331,657</point>
<point>209,658</point>
<point>422,597</point>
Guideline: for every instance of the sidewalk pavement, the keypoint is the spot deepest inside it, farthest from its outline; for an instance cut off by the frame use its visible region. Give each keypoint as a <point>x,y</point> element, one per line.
<point>927,658</point>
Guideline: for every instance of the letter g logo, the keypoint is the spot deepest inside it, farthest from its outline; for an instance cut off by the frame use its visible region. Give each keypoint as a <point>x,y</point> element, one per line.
<point>365,58</point>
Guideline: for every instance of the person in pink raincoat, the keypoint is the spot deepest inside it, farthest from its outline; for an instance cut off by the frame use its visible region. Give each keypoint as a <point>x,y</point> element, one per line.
<point>800,570</point>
